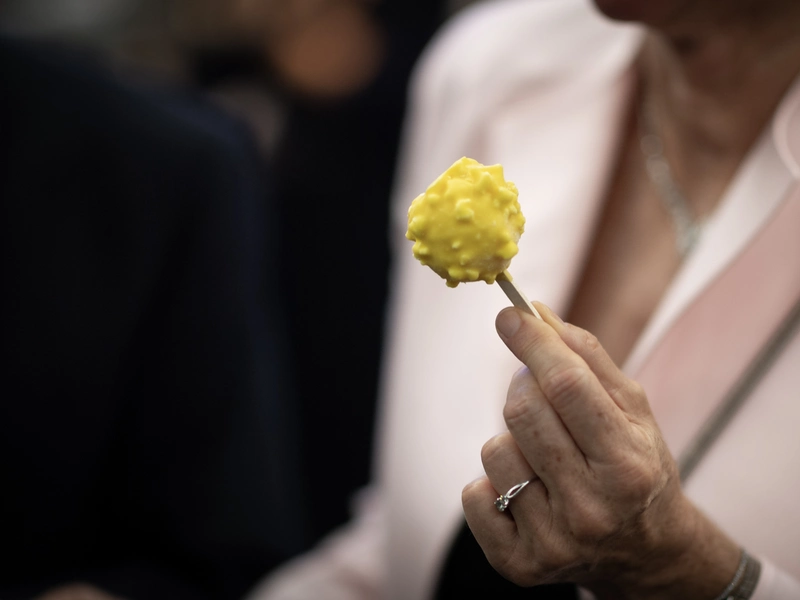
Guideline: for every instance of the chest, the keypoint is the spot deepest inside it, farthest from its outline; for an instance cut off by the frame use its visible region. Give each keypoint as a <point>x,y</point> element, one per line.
<point>630,262</point>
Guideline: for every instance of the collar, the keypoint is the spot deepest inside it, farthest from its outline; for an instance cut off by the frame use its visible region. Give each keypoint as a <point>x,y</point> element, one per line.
<point>762,185</point>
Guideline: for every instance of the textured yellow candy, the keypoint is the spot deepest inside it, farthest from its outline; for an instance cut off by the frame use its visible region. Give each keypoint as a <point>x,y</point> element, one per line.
<point>467,223</point>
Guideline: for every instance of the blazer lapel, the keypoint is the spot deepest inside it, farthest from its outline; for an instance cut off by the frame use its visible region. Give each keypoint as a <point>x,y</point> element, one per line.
<point>705,337</point>
<point>562,173</point>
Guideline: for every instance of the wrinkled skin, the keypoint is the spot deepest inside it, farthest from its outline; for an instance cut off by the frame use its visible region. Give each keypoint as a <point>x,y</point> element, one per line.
<point>605,507</point>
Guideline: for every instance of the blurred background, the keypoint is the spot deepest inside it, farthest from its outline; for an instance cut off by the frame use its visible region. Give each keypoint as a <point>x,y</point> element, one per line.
<point>321,84</point>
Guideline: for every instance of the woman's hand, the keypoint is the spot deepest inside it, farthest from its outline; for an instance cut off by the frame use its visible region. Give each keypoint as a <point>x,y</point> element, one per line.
<point>604,507</point>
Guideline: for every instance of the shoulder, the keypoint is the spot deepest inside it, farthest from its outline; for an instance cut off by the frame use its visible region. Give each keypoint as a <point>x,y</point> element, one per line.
<point>504,42</point>
<point>148,162</point>
<point>494,53</point>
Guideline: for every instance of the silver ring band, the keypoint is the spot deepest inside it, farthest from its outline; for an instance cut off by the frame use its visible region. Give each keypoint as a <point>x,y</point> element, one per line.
<point>502,501</point>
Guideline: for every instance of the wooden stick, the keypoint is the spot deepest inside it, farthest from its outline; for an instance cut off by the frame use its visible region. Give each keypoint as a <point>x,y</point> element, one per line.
<point>516,295</point>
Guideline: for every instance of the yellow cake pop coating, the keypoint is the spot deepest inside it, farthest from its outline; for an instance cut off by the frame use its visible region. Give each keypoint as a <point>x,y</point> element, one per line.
<point>467,223</point>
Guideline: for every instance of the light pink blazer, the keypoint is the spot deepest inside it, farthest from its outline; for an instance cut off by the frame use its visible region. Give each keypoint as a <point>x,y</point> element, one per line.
<point>541,87</point>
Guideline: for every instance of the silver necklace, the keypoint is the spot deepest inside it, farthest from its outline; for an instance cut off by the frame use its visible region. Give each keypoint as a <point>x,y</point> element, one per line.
<point>687,228</point>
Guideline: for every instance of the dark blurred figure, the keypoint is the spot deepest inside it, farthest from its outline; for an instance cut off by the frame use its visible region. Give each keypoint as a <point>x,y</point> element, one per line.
<point>322,84</point>
<point>341,72</point>
<point>147,442</point>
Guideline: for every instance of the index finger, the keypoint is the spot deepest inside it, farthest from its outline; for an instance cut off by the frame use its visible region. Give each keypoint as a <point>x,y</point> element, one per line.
<point>589,414</point>
<point>624,391</point>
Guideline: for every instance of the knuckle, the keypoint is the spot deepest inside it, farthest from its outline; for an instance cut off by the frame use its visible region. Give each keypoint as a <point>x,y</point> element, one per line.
<point>562,385</point>
<point>631,393</point>
<point>529,344</point>
<point>493,449</point>
<point>520,379</point>
<point>471,497</point>
<point>640,482</point>
<point>638,479</point>
<point>519,414</point>
<point>634,389</point>
<point>515,411</point>
<point>518,407</point>
<point>469,492</point>
<point>591,343</point>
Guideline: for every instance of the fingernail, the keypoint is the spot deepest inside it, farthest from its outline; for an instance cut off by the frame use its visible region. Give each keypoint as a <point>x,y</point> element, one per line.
<point>550,310</point>
<point>508,322</point>
<point>555,314</point>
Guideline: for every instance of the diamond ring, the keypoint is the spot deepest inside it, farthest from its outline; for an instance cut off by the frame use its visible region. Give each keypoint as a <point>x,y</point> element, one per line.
<point>502,501</point>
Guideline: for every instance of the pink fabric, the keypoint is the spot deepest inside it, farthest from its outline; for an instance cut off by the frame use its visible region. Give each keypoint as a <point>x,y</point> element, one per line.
<point>707,349</point>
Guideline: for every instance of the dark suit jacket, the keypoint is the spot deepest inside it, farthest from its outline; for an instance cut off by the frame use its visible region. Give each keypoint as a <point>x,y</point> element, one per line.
<point>146,428</point>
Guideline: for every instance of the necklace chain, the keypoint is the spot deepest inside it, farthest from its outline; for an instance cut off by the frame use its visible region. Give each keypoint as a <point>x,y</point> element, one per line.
<point>687,228</point>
